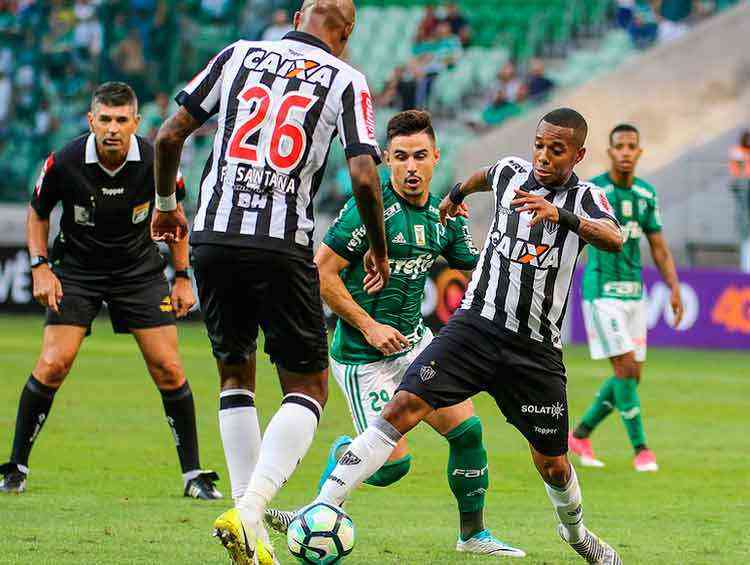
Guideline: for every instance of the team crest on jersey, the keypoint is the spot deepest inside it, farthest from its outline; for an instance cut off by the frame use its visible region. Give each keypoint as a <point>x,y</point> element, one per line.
<point>550,228</point>
<point>419,235</point>
<point>539,256</point>
<point>140,212</point>
<point>302,69</point>
<point>627,208</point>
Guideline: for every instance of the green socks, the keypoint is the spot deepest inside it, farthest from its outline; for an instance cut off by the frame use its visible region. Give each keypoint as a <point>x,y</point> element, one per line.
<point>602,407</point>
<point>468,474</point>
<point>629,406</point>
<point>390,472</point>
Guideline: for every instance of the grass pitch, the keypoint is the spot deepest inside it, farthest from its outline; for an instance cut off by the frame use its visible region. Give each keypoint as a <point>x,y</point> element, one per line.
<point>105,485</point>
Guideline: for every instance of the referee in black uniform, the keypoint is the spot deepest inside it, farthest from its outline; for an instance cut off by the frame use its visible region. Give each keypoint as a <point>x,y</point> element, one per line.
<point>104,252</point>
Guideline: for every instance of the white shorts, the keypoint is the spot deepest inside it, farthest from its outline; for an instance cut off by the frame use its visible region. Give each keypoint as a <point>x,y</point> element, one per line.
<point>368,387</point>
<point>615,327</point>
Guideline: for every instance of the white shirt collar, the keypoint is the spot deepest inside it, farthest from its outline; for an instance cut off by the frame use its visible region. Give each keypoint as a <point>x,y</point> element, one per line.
<point>134,154</point>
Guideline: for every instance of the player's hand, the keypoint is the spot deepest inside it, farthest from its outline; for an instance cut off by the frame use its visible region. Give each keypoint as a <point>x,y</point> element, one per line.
<point>540,208</point>
<point>678,309</point>
<point>385,339</point>
<point>183,298</point>
<point>377,270</point>
<point>449,209</point>
<point>169,227</point>
<point>47,288</point>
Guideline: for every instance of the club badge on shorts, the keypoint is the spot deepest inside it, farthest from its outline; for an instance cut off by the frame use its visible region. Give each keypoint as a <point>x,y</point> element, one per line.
<point>140,212</point>
<point>166,304</point>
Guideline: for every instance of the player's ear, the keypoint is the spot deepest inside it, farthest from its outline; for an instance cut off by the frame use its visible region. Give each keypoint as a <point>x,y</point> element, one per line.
<point>387,157</point>
<point>436,153</point>
<point>297,19</point>
<point>580,155</point>
<point>90,117</point>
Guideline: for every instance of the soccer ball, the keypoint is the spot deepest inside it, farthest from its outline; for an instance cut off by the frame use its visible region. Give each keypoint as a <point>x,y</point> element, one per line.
<point>321,535</point>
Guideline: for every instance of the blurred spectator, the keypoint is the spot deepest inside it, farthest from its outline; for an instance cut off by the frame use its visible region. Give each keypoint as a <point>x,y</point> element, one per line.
<point>739,168</point>
<point>507,87</point>
<point>537,83</point>
<point>154,113</point>
<point>444,48</point>
<point>673,17</point>
<point>279,27</point>
<point>87,35</point>
<point>644,28</point>
<point>428,25</point>
<point>216,9</point>
<point>6,99</point>
<point>130,62</point>
<point>624,13</point>
<point>459,25</point>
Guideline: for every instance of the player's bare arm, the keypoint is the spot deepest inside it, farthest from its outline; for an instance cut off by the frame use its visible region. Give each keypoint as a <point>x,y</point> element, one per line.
<point>366,190</point>
<point>453,205</point>
<point>47,288</point>
<point>183,297</point>
<point>169,222</point>
<point>384,338</point>
<point>663,259</point>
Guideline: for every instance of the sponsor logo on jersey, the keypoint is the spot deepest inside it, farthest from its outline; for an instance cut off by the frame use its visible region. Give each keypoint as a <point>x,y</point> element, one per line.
<point>113,191</point>
<point>368,112</point>
<point>302,69</point>
<point>642,207</point>
<point>631,230</point>
<point>556,410</point>
<point>391,211</point>
<point>516,166</point>
<point>140,212</point>
<point>399,238</point>
<point>413,267</point>
<point>349,458</point>
<point>540,256</point>
<point>355,241</point>
<point>545,431</point>
<point>601,198</point>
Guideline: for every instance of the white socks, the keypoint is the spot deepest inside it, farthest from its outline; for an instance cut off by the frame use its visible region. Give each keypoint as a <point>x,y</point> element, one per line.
<point>567,503</point>
<point>240,435</point>
<point>365,455</point>
<point>286,441</point>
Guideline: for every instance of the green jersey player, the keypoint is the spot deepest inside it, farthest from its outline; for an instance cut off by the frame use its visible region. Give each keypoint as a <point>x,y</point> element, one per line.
<point>614,308</point>
<point>381,331</point>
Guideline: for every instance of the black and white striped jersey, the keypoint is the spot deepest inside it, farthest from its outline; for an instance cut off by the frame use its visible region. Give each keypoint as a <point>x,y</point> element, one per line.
<point>280,104</point>
<point>524,274</point>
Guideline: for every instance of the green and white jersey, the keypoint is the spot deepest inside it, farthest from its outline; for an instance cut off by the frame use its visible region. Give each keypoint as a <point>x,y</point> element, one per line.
<point>618,275</point>
<point>416,238</point>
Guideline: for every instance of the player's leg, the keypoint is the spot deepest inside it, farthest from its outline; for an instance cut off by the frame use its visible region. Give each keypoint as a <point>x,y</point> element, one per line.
<point>608,336</point>
<point>231,320</point>
<point>530,389</point>
<point>60,346</point>
<point>445,373</point>
<point>469,478</point>
<point>564,492</point>
<point>628,369</point>
<point>160,352</point>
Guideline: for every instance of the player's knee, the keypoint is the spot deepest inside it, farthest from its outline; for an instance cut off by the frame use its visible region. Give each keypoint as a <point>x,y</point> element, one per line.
<point>405,410</point>
<point>167,373</point>
<point>52,370</point>
<point>467,435</point>
<point>390,473</point>
<point>555,470</point>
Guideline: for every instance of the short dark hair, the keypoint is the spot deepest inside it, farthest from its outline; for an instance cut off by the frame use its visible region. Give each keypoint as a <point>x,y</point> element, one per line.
<point>568,118</point>
<point>410,122</point>
<point>623,128</point>
<point>114,94</point>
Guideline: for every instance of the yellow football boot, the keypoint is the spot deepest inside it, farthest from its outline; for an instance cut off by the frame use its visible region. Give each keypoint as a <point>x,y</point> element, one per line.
<point>242,549</point>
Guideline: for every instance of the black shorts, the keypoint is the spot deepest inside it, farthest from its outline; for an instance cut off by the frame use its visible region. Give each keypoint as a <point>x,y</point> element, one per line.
<point>242,289</point>
<point>526,379</point>
<point>133,304</point>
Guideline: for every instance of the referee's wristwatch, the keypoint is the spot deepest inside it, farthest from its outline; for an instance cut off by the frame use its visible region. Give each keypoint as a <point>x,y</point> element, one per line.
<point>184,274</point>
<point>38,261</point>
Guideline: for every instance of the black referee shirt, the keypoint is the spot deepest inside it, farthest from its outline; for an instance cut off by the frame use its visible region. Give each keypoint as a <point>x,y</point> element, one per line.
<point>105,224</point>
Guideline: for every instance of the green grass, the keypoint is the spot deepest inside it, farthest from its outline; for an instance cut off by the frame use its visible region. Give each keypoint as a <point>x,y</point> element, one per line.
<point>105,484</point>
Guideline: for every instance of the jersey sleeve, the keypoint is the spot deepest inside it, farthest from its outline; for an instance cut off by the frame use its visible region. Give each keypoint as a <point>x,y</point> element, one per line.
<point>48,188</point>
<point>201,96</point>
<point>460,252</point>
<point>594,206</point>
<point>348,235</point>
<point>653,222</point>
<point>356,121</point>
